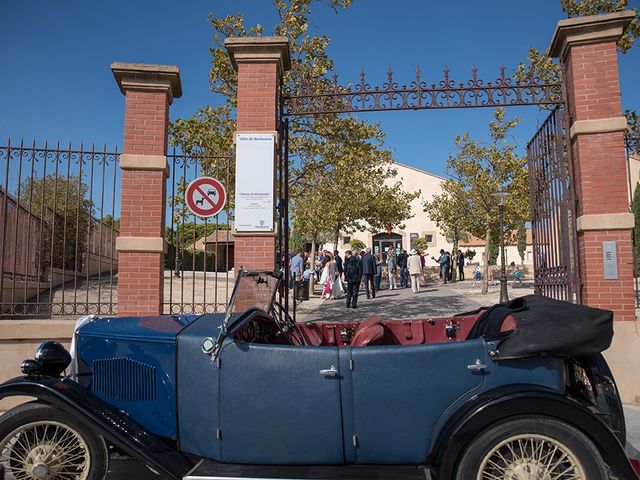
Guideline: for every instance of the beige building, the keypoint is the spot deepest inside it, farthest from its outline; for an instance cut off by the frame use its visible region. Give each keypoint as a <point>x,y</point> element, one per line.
<point>419,225</point>
<point>510,251</point>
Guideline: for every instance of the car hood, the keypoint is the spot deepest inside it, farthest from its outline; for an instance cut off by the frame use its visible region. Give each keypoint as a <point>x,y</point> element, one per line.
<point>161,329</point>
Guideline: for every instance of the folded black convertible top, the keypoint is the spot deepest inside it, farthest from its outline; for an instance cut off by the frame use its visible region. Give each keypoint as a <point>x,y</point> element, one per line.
<point>553,327</point>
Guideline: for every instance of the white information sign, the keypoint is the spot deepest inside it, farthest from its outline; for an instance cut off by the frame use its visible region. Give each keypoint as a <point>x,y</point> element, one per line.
<point>255,165</point>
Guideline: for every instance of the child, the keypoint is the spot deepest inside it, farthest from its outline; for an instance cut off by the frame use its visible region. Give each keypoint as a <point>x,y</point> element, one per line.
<point>477,276</point>
<point>517,276</point>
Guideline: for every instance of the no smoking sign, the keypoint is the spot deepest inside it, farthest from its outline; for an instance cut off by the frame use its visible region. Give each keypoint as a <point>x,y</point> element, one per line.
<point>205,196</point>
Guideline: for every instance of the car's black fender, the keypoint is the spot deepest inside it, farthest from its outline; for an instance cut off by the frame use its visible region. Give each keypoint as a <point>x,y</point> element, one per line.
<point>115,426</point>
<point>506,403</point>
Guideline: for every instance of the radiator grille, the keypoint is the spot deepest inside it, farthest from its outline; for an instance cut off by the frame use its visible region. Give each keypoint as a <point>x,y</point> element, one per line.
<point>124,379</point>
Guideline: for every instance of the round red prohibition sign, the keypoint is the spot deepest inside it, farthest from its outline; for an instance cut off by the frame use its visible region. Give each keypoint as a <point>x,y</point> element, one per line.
<point>206,196</point>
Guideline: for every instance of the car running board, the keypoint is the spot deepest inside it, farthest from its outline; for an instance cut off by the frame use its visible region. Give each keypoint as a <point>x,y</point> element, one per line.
<point>210,470</point>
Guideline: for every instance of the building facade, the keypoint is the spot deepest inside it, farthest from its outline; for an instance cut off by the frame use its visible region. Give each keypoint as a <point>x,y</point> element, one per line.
<point>418,226</point>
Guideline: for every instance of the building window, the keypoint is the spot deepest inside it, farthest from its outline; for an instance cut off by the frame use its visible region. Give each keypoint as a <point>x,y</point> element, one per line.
<point>346,240</point>
<point>429,237</point>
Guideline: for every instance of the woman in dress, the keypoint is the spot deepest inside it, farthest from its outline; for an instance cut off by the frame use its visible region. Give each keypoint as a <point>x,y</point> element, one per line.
<point>329,271</point>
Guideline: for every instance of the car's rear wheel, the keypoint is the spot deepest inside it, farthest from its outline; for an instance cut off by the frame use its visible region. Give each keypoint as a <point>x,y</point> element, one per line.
<point>539,447</point>
<point>39,442</point>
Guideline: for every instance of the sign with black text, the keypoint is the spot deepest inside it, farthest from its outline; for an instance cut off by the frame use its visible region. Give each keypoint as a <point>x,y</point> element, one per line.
<point>255,170</point>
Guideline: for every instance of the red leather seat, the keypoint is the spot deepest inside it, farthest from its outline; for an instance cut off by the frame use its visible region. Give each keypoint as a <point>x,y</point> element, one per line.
<point>370,332</point>
<point>509,324</point>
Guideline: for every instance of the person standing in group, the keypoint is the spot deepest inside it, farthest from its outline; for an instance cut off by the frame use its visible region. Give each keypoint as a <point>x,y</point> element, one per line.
<point>443,261</point>
<point>460,265</point>
<point>378,276</point>
<point>338,260</point>
<point>368,272</point>
<point>392,264</point>
<point>296,268</point>
<point>477,276</point>
<point>415,269</point>
<point>402,265</point>
<point>353,274</point>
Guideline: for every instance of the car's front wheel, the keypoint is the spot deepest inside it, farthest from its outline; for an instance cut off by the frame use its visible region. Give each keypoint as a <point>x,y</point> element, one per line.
<point>39,442</point>
<point>532,447</point>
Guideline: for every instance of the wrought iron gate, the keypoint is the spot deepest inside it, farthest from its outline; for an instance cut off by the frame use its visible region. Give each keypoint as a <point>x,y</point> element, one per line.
<point>198,276</point>
<point>553,215</point>
<point>282,246</point>
<point>58,229</point>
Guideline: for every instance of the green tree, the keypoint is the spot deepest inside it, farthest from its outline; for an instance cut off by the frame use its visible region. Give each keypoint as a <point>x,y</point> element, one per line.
<point>62,204</point>
<point>109,220</point>
<point>494,251</point>
<point>421,243</point>
<point>296,241</point>
<point>357,245</point>
<point>449,210</point>
<point>469,254</point>
<point>336,161</point>
<point>522,241</point>
<point>478,171</point>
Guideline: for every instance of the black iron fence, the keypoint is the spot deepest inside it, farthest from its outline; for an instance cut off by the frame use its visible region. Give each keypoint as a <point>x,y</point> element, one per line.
<point>57,230</point>
<point>199,262</point>
<point>553,215</point>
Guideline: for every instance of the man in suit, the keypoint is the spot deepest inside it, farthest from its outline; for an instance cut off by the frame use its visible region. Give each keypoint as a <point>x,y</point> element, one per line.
<point>368,272</point>
<point>402,265</point>
<point>338,260</point>
<point>353,274</point>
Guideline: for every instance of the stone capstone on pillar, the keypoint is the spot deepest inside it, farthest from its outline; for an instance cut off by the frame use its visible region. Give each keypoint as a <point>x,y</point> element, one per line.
<point>259,50</point>
<point>588,29</point>
<point>131,76</point>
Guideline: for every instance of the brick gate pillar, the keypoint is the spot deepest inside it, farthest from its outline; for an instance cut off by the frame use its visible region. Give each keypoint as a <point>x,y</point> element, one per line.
<point>587,49</point>
<point>149,90</point>
<point>260,63</point>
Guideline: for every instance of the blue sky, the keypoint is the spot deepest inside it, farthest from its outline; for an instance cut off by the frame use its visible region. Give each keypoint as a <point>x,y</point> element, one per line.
<point>57,84</point>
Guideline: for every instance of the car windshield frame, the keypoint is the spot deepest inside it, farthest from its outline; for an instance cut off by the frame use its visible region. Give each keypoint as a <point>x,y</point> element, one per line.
<point>231,316</point>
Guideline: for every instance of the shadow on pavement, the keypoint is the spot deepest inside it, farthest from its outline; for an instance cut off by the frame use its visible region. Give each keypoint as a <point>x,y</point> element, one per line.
<point>389,304</point>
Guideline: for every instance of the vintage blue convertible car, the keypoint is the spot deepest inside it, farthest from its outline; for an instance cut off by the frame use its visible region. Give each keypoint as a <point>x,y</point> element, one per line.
<point>510,392</point>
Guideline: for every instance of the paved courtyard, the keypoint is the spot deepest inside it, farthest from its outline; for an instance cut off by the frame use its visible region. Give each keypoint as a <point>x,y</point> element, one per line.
<point>433,300</point>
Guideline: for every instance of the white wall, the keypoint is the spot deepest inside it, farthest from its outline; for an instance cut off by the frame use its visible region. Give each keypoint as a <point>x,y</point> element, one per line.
<point>412,180</point>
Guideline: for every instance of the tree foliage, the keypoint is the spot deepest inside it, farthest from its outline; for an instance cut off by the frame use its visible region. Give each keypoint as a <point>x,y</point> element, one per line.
<point>522,241</point>
<point>478,171</point>
<point>420,243</point>
<point>62,204</point>
<point>449,210</point>
<point>357,245</point>
<point>341,175</point>
<point>296,241</point>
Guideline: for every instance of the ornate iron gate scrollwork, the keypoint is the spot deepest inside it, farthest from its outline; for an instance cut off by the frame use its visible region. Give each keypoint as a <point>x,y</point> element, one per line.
<point>553,218</point>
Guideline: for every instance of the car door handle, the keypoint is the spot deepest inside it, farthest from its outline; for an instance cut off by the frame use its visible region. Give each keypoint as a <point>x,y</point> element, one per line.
<point>330,372</point>
<point>477,367</point>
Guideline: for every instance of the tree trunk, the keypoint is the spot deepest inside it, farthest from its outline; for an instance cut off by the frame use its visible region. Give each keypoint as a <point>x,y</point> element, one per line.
<point>485,274</point>
<point>337,237</point>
